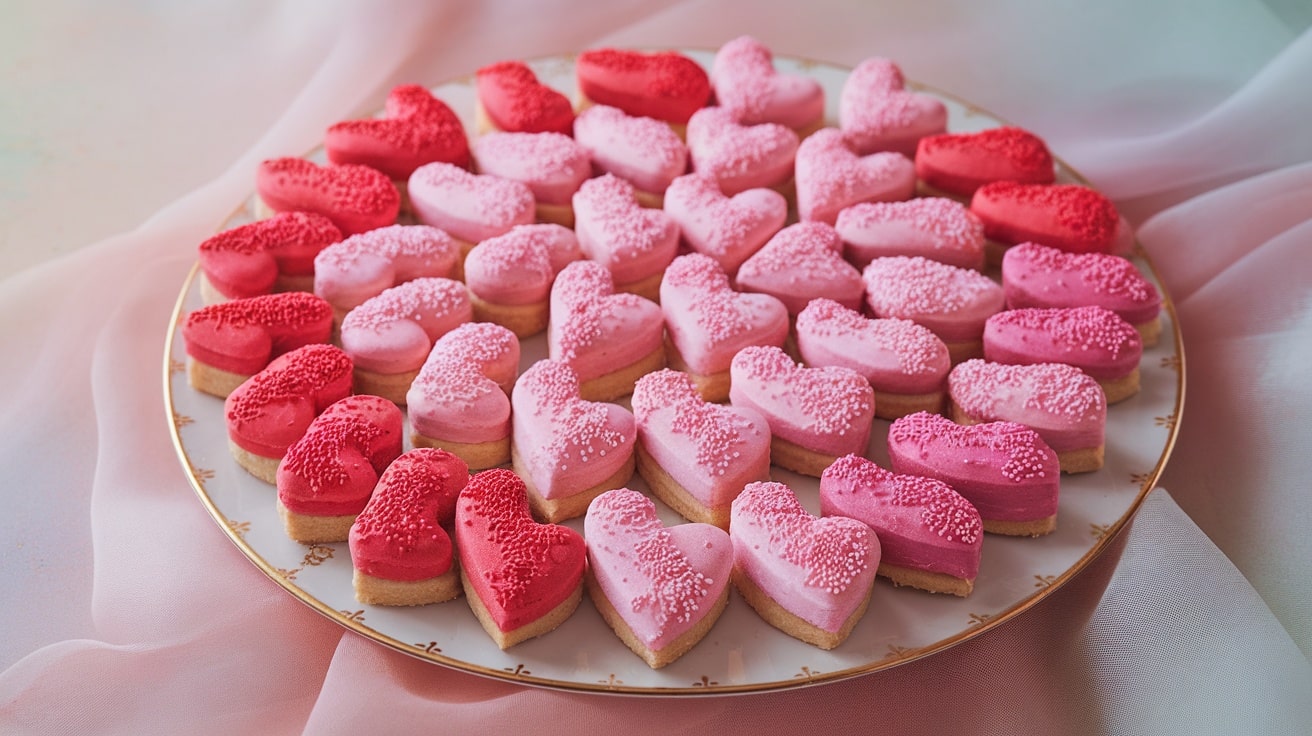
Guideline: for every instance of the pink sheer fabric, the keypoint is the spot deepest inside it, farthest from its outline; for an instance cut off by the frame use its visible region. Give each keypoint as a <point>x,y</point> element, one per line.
<point>128,611</point>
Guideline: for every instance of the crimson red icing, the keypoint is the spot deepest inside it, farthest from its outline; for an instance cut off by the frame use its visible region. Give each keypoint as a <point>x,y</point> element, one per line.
<point>333,468</point>
<point>1065,405</point>
<point>1094,339</point>
<point>1035,275</point>
<point>355,197</point>
<point>802,262</point>
<point>960,163</point>
<point>1069,217</point>
<point>274,407</point>
<point>416,128</point>
<point>831,175</point>
<point>665,85</point>
<point>248,259</point>
<point>516,101</point>
<point>243,335</point>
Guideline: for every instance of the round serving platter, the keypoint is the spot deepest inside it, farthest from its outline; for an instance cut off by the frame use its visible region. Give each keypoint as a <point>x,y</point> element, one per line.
<point>741,653</point>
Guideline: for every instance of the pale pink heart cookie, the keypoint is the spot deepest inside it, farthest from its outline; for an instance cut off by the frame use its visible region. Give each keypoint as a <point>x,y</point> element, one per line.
<point>328,475</point>
<point>567,449</point>
<point>510,276</point>
<point>930,536</point>
<point>808,577</point>
<point>390,335</point>
<point>738,155</point>
<point>660,588</point>
<point>906,363</point>
<point>953,302</point>
<point>878,113</point>
<point>416,128</point>
<point>1065,405</point>
<point>460,400</point>
<point>936,228</point>
<point>728,229</point>
<point>522,579</point>
<point>633,242</point>
<point>1068,217</point>
<point>1006,470</point>
<point>831,176</point>
<point>1093,339</point>
<point>640,150</point>
<point>815,414</point>
<point>470,207</point>
<point>351,272</point>
<point>802,262</point>
<point>707,322</point>
<point>264,256</point>
<point>747,85</point>
<point>355,197</point>
<point>553,165</point>
<point>696,456</point>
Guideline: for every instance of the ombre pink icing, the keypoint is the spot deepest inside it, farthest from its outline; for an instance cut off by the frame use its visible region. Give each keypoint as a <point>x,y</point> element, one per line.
<point>553,165</point>
<point>632,241</point>
<point>662,581</point>
<point>936,228</point>
<point>818,569</point>
<point>400,535</point>
<point>827,410</point>
<point>1065,405</point>
<point>831,176</point>
<point>1036,275</point>
<point>1005,469</point>
<point>356,198</point>
<point>711,450</point>
<point>243,335</point>
<point>518,268</point>
<point>953,302</point>
<point>247,260</point>
<point>740,156</point>
<point>565,443</point>
<point>728,229</point>
<point>394,331</point>
<point>922,523</point>
<point>363,266</point>
<point>748,86</point>
<point>596,331</point>
<point>643,151</point>
<point>896,356</point>
<point>1093,339</point>
<point>273,408</point>
<point>802,262</point>
<point>333,468</point>
<point>878,113</point>
<point>461,392</point>
<point>708,322</point>
<point>470,207</point>
<point>416,129</point>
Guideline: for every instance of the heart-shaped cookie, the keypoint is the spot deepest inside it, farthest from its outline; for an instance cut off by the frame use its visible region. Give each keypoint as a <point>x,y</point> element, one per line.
<point>878,113</point>
<point>634,243</point>
<point>696,455</point>
<point>510,276</point>
<point>738,155</point>
<point>959,163</point>
<point>660,588</point>
<point>936,228</point>
<point>665,85</point>
<point>511,98</point>
<point>831,176</point>
<point>815,414</point>
<point>802,262</point>
<point>328,475</point>
<point>748,86</point>
<point>930,536</point>
<point>227,343</point>
<point>809,577</point>
<point>1093,339</point>
<point>356,198</point>
<point>276,254</point>
<point>363,266</point>
<point>728,229</point>
<point>640,150</point>
<point>416,128</point>
<point>553,165</point>
<point>1069,217</point>
<point>953,302</point>
<point>522,578</point>
<point>470,207</point>
<point>567,449</point>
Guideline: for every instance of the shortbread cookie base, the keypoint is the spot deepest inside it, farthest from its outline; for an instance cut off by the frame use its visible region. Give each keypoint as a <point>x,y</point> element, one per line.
<point>506,639</point>
<point>616,384</point>
<point>789,622</point>
<point>214,381</point>
<point>713,387</point>
<point>1033,528</point>
<point>798,459</point>
<point>555,510</point>
<point>892,406</point>
<point>477,455</point>
<point>375,591</point>
<point>655,658</point>
<point>525,320</point>
<point>674,495</point>
<point>1120,389</point>
<point>390,386</point>
<point>649,287</point>
<point>933,582</point>
<point>264,468</point>
<point>311,529</point>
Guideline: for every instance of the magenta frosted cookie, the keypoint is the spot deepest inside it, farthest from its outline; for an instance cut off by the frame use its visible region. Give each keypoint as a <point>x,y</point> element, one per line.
<point>936,228</point>
<point>552,164</point>
<point>643,151</point>
<point>510,276</point>
<point>635,243</point>
<point>747,84</point>
<point>802,262</point>
<point>362,266</point>
<point>831,176</point>
<point>953,302</point>
<point>741,156</point>
<point>728,229</point>
<point>878,113</point>
<point>470,207</point>
<point>276,254</point>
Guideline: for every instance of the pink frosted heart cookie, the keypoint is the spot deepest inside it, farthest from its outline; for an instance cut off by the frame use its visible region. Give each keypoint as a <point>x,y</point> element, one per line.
<point>748,86</point>
<point>959,163</point>
<point>416,128</point>
<point>906,363</point>
<point>660,588</point>
<point>390,335</point>
<point>665,85</point>
<point>568,450</point>
<point>738,155</point>
<point>831,176</point>
<point>640,150</point>
<point>952,302</point>
<point>803,262</point>
<point>460,399</point>
<point>229,342</point>
<point>328,475</point>
<point>510,276</point>
<point>264,256</point>
<point>634,243</point>
<point>470,207</point>
<point>553,165</point>
<point>1036,275</point>
<point>728,229</point>
<point>936,228</point>
<point>815,414</point>
<point>273,408</point>
<point>1062,403</point>
<point>930,536</point>
<point>400,547</point>
<point>356,198</point>
<point>522,579</point>
<point>808,577</point>
<point>512,99</point>
<point>707,322</point>
<point>361,267</point>
<point>878,113</point>
<point>1093,339</point>
<point>696,456</point>
<point>1068,217</point>
<point>1006,470</point>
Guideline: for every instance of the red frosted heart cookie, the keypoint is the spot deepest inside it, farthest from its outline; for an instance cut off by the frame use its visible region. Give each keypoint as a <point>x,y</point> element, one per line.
<point>522,578</point>
<point>728,229</point>
<point>260,257</point>
<point>363,266</point>
<point>416,129</point>
<point>1067,217</point>
<point>878,113</point>
<point>802,262</point>
<point>470,207</point>
<point>634,243</point>
<point>959,163</point>
<point>830,176</point>
<point>738,155</point>
<point>665,85</point>
<point>511,98</point>
<point>748,86</point>
<point>356,198</point>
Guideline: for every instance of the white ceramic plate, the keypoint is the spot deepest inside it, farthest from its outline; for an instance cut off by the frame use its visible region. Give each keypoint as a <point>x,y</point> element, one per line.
<point>741,653</point>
